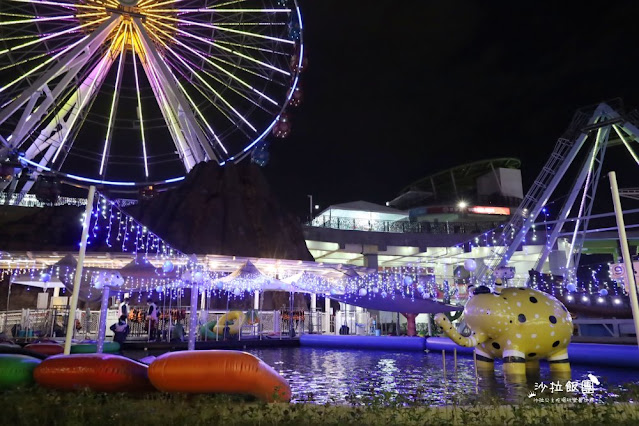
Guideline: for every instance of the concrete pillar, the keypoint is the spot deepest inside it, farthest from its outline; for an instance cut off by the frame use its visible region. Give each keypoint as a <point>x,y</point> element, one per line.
<point>313,313</point>
<point>203,301</point>
<point>370,260</point>
<point>56,292</point>
<point>327,315</point>
<point>256,300</point>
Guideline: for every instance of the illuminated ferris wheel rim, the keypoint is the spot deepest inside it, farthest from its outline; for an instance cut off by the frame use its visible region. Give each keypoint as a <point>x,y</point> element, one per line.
<point>130,10</point>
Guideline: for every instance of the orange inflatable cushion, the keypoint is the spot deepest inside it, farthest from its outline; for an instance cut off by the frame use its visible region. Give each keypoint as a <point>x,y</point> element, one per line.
<point>98,372</point>
<point>45,348</point>
<point>218,371</point>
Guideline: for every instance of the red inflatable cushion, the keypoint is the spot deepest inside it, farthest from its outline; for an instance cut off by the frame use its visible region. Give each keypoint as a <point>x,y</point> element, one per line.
<point>45,348</point>
<point>98,372</point>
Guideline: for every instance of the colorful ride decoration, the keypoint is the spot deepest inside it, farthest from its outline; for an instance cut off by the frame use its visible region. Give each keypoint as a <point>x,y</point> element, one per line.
<point>218,371</point>
<point>45,348</point>
<point>234,320</point>
<point>97,372</point>
<point>521,325</point>
<point>16,370</point>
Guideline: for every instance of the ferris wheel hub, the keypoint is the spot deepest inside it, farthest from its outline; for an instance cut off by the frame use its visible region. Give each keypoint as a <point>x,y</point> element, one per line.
<point>129,3</point>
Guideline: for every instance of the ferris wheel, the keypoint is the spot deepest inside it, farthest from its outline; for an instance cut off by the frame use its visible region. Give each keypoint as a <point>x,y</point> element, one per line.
<point>133,92</point>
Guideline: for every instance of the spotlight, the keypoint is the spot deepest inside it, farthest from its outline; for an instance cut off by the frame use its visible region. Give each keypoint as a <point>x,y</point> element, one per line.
<point>617,301</point>
<point>569,298</point>
<point>584,299</point>
<point>600,300</point>
<point>462,204</point>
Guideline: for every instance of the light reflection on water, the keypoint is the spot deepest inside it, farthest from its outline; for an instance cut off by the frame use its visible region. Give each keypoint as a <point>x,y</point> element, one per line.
<point>346,376</point>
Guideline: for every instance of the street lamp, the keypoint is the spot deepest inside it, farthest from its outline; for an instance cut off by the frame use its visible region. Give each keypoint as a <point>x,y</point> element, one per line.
<point>310,208</point>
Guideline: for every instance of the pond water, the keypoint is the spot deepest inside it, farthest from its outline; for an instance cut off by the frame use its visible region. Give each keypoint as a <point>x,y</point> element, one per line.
<point>359,376</point>
<point>343,376</point>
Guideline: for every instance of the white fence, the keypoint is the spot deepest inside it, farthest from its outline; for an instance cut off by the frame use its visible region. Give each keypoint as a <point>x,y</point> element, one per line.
<point>33,324</point>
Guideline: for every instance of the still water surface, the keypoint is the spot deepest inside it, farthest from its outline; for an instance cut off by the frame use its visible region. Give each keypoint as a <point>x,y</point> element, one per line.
<point>343,376</point>
<point>350,376</point>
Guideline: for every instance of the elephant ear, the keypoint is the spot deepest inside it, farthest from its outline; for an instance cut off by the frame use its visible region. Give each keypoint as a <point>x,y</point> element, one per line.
<point>455,316</point>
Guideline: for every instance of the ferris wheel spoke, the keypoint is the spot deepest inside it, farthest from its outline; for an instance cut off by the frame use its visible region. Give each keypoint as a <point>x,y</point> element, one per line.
<point>188,124</point>
<point>54,135</point>
<point>96,82</point>
<point>203,57</point>
<point>192,71</point>
<point>60,4</point>
<point>50,36</point>
<point>30,59</point>
<point>40,66</point>
<point>221,28</point>
<point>215,92</point>
<point>37,19</point>
<point>218,10</point>
<point>206,96</point>
<point>79,52</point>
<point>139,99</point>
<point>228,50</point>
<point>114,105</point>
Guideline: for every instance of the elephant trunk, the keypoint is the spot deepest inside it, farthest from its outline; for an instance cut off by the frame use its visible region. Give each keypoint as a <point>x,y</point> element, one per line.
<point>469,342</point>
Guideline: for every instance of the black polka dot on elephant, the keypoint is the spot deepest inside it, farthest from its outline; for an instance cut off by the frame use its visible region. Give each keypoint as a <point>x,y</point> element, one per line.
<point>533,299</point>
<point>521,318</point>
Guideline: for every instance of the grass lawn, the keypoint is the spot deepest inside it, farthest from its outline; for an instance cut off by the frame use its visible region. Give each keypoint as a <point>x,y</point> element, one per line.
<point>36,406</point>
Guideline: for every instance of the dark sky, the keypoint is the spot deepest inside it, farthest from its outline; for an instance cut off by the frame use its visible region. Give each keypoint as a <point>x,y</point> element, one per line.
<point>395,91</point>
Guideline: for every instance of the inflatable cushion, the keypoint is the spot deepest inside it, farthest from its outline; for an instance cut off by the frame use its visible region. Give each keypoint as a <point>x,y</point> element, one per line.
<point>45,348</point>
<point>98,372</point>
<point>16,370</point>
<point>91,348</point>
<point>218,371</point>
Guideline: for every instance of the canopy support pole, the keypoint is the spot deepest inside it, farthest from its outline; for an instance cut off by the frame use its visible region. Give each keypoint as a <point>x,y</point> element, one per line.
<point>77,277</point>
<point>193,317</point>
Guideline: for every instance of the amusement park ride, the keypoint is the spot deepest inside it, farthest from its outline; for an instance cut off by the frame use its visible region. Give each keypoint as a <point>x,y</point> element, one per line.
<point>592,131</point>
<point>91,92</point>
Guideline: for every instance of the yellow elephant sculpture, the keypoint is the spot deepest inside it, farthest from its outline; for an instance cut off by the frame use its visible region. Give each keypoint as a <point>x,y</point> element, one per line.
<point>521,325</point>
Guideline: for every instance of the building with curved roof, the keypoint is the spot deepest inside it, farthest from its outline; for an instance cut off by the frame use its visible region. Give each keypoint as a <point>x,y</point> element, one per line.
<point>491,181</point>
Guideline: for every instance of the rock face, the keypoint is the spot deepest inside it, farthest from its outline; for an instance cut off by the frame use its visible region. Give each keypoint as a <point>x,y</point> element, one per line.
<point>226,210</point>
<point>45,229</point>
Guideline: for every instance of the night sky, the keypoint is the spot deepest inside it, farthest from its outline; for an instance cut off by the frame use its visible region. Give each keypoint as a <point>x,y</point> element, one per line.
<point>395,91</point>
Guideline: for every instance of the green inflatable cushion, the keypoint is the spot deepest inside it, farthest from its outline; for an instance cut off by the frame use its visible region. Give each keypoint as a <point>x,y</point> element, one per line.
<point>91,348</point>
<point>16,370</point>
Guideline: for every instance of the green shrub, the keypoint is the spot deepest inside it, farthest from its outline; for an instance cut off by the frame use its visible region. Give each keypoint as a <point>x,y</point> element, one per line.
<point>36,406</point>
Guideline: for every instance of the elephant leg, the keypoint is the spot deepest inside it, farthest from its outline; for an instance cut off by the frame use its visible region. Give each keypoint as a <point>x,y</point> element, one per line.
<point>484,361</point>
<point>559,364</point>
<point>532,366</point>
<point>514,363</point>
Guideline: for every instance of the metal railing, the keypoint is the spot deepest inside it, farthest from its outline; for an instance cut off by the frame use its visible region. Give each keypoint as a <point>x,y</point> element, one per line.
<point>32,324</point>
<point>30,200</point>
<point>402,226</point>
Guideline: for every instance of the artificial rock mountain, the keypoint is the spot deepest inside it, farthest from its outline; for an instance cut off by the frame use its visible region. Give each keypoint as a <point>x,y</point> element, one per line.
<point>228,210</point>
